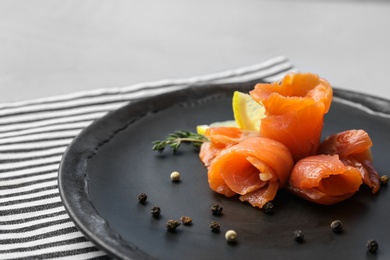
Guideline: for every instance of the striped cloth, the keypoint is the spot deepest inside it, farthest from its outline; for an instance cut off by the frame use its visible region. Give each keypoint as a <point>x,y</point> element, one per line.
<point>33,136</point>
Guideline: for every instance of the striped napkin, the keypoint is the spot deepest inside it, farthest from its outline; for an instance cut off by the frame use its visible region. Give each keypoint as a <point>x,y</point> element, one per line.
<point>33,136</point>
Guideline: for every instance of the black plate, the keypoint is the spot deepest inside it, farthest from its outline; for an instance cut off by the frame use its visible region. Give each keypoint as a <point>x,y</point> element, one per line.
<point>111,162</point>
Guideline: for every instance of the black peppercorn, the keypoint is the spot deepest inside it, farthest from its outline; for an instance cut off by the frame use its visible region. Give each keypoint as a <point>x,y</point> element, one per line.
<point>215,227</point>
<point>216,209</point>
<point>186,220</point>
<point>142,197</point>
<point>337,226</point>
<point>172,225</point>
<point>268,207</point>
<point>372,246</point>
<point>298,235</point>
<point>156,211</point>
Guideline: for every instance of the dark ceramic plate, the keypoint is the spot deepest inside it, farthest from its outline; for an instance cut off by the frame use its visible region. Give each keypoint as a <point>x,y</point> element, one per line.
<point>111,162</point>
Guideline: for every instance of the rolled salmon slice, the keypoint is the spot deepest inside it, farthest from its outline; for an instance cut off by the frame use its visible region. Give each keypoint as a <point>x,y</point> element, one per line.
<point>295,109</point>
<point>354,149</point>
<point>295,92</point>
<point>299,130</point>
<point>324,179</point>
<point>254,168</point>
<point>221,138</point>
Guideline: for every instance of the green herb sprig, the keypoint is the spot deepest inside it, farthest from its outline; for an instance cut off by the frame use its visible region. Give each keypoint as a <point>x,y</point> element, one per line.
<point>175,139</point>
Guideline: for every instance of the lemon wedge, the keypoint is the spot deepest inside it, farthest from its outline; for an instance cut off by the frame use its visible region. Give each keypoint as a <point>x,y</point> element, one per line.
<point>247,112</point>
<point>201,129</point>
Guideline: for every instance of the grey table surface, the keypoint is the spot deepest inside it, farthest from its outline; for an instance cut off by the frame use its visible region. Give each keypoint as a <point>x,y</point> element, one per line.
<point>56,47</point>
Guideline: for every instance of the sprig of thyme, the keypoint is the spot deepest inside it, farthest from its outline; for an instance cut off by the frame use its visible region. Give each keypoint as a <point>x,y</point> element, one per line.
<point>175,139</point>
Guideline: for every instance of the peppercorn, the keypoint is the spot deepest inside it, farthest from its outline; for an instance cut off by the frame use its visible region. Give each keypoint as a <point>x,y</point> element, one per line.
<point>175,176</point>
<point>156,211</point>
<point>216,209</point>
<point>336,226</point>
<point>298,235</point>
<point>231,236</point>
<point>268,207</point>
<point>384,179</point>
<point>172,224</point>
<point>215,227</point>
<point>372,246</point>
<point>186,220</point>
<point>142,197</point>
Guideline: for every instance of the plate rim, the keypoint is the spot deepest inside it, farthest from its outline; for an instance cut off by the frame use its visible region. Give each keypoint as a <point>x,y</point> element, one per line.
<point>74,162</point>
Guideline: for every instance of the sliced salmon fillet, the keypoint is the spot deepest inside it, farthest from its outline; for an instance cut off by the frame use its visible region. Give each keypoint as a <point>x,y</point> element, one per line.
<point>221,138</point>
<point>354,148</point>
<point>295,109</point>
<point>324,179</point>
<point>254,168</point>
